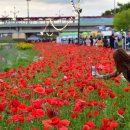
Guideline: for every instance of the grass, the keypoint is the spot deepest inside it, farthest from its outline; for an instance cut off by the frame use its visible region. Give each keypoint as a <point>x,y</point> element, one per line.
<point>7,41</point>
<point>13,58</point>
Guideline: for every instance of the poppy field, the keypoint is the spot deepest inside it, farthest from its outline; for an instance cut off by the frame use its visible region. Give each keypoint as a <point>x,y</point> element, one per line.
<point>57,92</point>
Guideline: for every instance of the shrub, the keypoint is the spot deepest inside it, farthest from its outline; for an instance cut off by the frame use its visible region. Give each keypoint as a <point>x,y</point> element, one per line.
<point>24,45</point>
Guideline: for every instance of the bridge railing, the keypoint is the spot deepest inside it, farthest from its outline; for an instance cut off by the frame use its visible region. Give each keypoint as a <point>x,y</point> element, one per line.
<point>37,20</point>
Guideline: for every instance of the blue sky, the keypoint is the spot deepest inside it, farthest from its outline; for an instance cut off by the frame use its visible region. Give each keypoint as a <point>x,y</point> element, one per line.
<point>43,8</point>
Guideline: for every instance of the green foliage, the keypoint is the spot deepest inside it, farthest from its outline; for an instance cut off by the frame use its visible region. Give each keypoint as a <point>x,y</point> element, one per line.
<point>7,69</point>
<point>13,58</point>
<point>7,41</point>
<point>121,20</point>
<point>120,8</point>
<point>107,13</point>
<point>123,6</point>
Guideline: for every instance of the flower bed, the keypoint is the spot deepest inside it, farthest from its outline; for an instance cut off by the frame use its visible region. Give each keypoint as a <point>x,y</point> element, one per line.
<point>24,45</point>
<point>58,92</point>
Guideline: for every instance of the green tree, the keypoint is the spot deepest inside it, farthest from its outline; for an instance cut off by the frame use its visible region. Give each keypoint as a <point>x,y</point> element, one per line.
<point>107,13</point>
<point>120,8</point>
<point>122,20</point>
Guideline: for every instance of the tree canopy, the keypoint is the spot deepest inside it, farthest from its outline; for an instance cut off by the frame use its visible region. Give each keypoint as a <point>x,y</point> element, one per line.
<point>122,20</point>
<point>120,8</point>
<point>121,16</point>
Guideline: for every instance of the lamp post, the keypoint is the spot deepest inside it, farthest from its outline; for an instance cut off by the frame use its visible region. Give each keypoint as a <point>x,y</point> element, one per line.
<point>28,9</point>
<point>78,10</point>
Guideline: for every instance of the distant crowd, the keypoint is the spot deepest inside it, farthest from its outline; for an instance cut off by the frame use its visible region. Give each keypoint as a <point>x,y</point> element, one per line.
<point>106,41</point>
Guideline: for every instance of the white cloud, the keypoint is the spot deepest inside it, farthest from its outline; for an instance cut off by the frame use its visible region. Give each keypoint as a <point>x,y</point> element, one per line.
<point>52,7</point>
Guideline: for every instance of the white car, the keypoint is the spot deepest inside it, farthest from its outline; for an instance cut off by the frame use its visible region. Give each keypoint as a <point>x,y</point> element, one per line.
<point>34,38</point>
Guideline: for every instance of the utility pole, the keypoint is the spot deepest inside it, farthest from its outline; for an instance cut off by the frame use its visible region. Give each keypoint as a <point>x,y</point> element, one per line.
<point>28,9</point>
<point>5,16</point>
<point>59,15</point>
<point>15,12</point>
<point>114,7</point>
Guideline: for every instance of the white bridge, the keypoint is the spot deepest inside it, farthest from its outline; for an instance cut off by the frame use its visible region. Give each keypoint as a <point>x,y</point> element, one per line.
<point>39,24</point>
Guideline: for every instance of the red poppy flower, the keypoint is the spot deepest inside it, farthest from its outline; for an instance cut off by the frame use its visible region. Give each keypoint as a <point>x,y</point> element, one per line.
<point>90,124</point>
<point>37,104</point>
<point>114,125</point>
<point>63,128</point>
<point>86,127</point>
<point>65,122</point>
<point>0,117</point>
<point>14,103</point>
<point>39,113</point>
<point>2,94</point>
<point>47,124</point>
<point>126,89</point>
<point>90,88</point>
<point>2,107</point>
<point>18,129</point>
<point>47,81</point>
<point>17,118</point>
<point>55,120</point>
<point>74,115</point>
<point>120,111</point>
<point>39,90</point>
<point>29,118</point>
<point>112,95</point>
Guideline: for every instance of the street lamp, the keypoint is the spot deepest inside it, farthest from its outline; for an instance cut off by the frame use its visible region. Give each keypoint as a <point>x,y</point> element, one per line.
<point>28,9</point>
<point>78,10</point>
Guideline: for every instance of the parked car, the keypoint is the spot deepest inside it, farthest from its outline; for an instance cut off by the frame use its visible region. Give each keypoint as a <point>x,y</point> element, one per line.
<point>34,38</point>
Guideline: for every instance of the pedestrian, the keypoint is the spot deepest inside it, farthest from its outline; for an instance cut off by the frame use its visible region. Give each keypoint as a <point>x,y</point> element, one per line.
<point>112,39</point>
<point>99,42</point>
<point>69,40</point>
<point>122,62</point>
<point>128,41</point>
<point>105,42</point>
<point>116,43</point>
<point>123,42</point>
<point>87,41</point>
<point>91,41</point>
